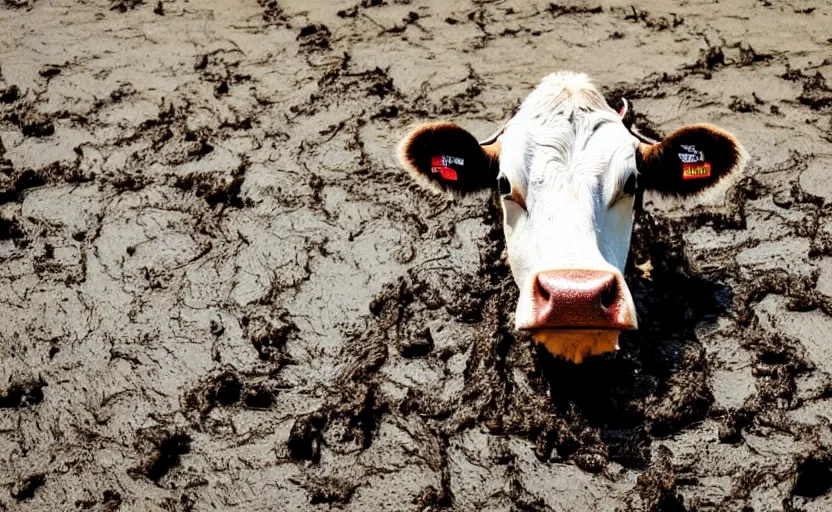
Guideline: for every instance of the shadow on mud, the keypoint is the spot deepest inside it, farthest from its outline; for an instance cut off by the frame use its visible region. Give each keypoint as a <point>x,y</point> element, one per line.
<point>609,408</point>
<point>656,384</point>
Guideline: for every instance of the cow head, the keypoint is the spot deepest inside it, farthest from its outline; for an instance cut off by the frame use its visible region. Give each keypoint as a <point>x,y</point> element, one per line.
<point>568,171</point>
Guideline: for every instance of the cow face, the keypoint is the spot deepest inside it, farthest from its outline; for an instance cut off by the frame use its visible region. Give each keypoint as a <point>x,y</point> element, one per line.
<point>568,171</point>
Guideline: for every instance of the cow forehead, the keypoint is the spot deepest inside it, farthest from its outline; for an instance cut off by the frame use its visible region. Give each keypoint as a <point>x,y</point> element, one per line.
<point>563,129</point>
<point>590,151</point>
<point>563,94</point>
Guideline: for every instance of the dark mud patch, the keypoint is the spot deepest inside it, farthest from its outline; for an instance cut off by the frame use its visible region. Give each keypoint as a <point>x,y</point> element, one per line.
<point>314,37</point>
<point>657,486</point>
<point>778,361</point>
<point>420,345</point>
<point>269,337</point>
<point>28,179</point>
<point>9,94</point>
<point>306,436</point>
<point>14,182</point>
<point>121,93</point>
<point>229,388</point>
<point>168,451</point>
<point>710,58</point>
<point>223,72</point>
<point>814,477</point>
<point>346,423</point>
<point>10,229</point>
<point>258,398</point>
<point>170,138</point>
<point>110,502</point>
<point>31,122</point>
<point>557,10</point>
<point>130,183</point>
<point>24,394</point>
<point>353,11</point>
<point>26,489</point>
<point>50,70</point>
<point>744,106</point>
<point>657,23</point>
<point>216,188</point>
<point>342,81</point>
<point>123,6</point>
<point>328,490</point>
<point>19,4</point>
<point>273,14</point>
<point>816,92</point>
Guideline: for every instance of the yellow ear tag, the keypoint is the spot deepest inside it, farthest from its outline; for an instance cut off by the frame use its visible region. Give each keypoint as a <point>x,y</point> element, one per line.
<point>696,171</point>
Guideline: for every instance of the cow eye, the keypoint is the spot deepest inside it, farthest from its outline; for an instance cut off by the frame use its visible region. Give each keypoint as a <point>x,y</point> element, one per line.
<point>630,185</point>
<point>504,186</point>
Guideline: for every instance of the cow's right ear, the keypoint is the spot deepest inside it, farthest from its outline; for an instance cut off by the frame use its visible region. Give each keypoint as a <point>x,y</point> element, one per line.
<point>689,160</point>
<point>446,158</point>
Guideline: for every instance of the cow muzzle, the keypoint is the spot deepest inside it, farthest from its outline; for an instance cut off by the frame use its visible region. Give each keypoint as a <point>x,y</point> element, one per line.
<point>576,313</point>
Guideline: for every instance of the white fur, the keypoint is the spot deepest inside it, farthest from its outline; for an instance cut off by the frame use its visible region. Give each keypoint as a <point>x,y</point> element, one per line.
<point>568,154</point>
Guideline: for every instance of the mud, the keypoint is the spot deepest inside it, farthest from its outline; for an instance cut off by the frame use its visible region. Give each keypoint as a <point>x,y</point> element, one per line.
<point>219,291</point>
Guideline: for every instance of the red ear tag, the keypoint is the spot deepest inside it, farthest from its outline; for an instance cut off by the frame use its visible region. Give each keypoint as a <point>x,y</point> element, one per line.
<point>696,171</point>
<point>448,174</point>
<point>441,165</point>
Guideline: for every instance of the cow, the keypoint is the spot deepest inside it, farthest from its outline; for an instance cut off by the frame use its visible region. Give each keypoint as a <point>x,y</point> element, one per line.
<point>568,170</point>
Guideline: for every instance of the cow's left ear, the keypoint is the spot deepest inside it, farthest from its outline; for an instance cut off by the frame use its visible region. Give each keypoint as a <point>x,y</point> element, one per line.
<point>625,111</point>
<point>691,159</point>
<point>446,158</point>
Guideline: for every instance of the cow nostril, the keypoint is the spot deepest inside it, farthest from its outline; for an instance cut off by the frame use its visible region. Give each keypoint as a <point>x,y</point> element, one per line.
<point>574,300</point>
<point>541,292</point>
<point>609,294</point>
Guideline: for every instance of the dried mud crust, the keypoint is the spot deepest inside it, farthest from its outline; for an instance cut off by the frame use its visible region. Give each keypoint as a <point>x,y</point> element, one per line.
<point>218,291</point>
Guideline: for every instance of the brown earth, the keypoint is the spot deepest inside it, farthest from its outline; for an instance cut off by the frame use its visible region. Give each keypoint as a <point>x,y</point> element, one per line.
<point>218,290</point>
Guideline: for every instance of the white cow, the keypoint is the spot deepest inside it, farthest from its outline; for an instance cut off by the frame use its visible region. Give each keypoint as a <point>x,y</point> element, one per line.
<point>568,169</point>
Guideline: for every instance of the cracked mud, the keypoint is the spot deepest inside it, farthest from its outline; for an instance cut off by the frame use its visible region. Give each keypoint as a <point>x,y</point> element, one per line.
<point>219,291</point>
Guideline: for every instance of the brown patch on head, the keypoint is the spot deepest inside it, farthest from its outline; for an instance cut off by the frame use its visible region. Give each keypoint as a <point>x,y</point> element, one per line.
<point>518,196</point>
<point>577,344</point>
<point>691,159</point>
<point>446,158</point>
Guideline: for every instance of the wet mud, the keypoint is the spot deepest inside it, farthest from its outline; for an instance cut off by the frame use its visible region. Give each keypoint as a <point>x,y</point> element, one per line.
<point>219,291</point>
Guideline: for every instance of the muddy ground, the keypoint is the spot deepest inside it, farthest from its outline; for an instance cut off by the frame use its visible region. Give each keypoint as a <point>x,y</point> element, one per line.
<point>218,290</point>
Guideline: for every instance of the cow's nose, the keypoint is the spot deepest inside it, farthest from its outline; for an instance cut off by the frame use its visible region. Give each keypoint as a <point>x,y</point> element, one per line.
<point>581,299</point>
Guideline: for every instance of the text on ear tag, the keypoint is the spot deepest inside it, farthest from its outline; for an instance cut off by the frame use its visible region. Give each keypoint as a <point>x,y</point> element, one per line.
<point>690,155</point>
<point>696,171</point>
<point>693,161</point>
<point>441,165</point>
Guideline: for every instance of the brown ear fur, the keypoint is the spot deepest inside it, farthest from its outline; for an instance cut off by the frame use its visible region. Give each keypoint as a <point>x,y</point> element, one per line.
<point>662,169</point>
<point>475,167</point>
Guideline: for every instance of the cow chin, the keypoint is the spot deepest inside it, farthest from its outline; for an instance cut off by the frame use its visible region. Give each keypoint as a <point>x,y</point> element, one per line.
<point>576,344</point>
